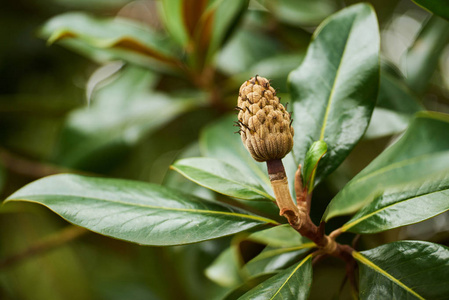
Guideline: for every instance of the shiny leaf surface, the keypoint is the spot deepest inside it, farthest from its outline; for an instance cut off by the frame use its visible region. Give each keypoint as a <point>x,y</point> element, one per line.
<point>404,270</point>
<point>136,211</point>
<point>328,104</point>
<point>292,283</point>
<point>417,165</point>
<point>313,157</point>
<point>221,177</point>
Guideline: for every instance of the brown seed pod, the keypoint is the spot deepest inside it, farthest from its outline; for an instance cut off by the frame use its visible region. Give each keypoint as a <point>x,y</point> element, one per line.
<point>265,125</point>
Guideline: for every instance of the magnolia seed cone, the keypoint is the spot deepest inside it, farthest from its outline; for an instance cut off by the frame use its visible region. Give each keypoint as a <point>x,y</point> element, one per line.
<point>265,125</point>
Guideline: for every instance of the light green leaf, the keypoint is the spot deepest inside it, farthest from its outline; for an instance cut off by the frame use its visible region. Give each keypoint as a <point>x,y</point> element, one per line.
<point>415,166</point>
<point>218,140</point>
<point>281,236</point>
<point>121,114</point>
<point>224,16</point>
<point>220,177</point>
<point>437,7</point>
<point>300,12</point>
<point>313,157</point>
<point>172,15</point>
<point>284,246</point>
<point>404,270</point>
<point>225,269</point>
<point>328,104</point>
<point>292,283</point>
<point>423,56</point>
<point>125,36</point>
<point>136,211</point>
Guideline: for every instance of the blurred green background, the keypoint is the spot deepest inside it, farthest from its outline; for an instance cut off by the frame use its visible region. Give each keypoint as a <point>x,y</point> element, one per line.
<point>123,92</point>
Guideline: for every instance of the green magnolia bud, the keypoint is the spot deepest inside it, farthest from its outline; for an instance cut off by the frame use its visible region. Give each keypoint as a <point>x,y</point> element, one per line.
<point>265,125</point>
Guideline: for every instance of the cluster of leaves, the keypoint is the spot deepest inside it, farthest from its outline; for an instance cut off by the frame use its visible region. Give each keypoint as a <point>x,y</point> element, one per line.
<point>333,93</point>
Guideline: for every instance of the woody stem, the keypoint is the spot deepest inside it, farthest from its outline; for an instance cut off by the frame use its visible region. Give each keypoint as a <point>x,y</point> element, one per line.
<point>298,215</point>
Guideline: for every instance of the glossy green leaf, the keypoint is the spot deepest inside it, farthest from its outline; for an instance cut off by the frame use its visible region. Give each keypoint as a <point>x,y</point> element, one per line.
<point>284,246</point>
<point>218,140</point>
<point>292,283</point>
<point>221,177</point>
<point>404,270</point>
<point>437,7</point>
<point>328,103</point>
<point>313,157</point>
<point>245,287</point>
<point>274,260</point>
<point>121,113</point>
<point>122,35</point>
<point>417,165</point>
<point>423,57</point>
<point>385,213</point>
<point>136,211</point>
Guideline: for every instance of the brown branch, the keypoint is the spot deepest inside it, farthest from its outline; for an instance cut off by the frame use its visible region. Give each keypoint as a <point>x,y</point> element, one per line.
<point>30,168</point>
<point>51,242</point>
<point>299,218</point>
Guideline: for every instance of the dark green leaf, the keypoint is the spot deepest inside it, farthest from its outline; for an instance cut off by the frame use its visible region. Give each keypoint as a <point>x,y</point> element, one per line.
<point>220,177</point>
<point>274,260</point>
<point>385,213</point>
<point>437,7</point>
<point>415,166</point>
<point>313,157</point>
<point>423,57</point>
<point>284,246</point>
<point>121,35</point>
<point>329,104</point>
<point>136,211</point>
<point>292,283</point>
<point>404,270</point>
<point>121,114</point>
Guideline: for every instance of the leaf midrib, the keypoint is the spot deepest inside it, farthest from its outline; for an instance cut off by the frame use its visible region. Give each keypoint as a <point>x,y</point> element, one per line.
<point>241,215</point>
<point>333,88</point>
<point>291,274</point>
<point>355,222</point>
<point>358,256</point>
<point>259,192</point>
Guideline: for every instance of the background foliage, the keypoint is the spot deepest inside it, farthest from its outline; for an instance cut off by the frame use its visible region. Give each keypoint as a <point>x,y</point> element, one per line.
<point>125,97</point>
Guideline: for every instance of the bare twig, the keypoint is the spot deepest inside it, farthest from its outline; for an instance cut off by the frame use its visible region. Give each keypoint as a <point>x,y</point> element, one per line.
<point>53,241</point>
<point>30,168</point>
